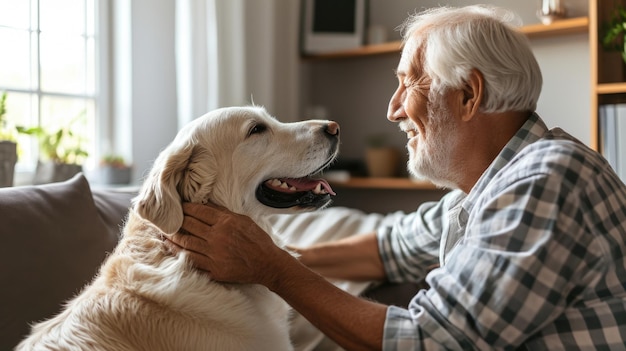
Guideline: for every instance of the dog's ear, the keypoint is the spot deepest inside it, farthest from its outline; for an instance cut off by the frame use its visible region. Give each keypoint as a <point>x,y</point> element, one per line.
<point>159,200</point>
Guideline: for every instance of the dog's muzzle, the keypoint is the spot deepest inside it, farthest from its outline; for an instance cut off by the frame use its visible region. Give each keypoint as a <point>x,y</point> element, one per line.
<point>307,192</point>
<point>301,192</point>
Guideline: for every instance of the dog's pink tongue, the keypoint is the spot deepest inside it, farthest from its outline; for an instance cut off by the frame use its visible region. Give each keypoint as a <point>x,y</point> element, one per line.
<point>306,184</point>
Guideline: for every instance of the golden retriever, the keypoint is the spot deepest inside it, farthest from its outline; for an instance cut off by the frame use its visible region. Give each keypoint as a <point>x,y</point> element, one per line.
<point>146,298</point>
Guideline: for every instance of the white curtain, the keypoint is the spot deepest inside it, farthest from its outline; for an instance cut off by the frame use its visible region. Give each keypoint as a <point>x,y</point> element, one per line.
<point>236,52</point>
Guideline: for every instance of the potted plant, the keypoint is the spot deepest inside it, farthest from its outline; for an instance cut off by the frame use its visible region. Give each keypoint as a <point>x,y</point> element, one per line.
<point>61,153</point>
<point>381,159</point>
<point>8,146</point>
<point>614,32</point>
<point>114,170</point>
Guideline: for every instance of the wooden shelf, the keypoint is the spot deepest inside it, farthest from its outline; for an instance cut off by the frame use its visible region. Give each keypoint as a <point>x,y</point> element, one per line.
<point>561,27</point>
<point>611,88</point>
<point>367,50</point>
<point>384,183</point>
<point>577,25</point>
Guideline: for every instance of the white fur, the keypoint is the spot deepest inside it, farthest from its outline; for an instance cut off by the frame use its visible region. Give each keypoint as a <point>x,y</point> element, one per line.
<point>145,298</point>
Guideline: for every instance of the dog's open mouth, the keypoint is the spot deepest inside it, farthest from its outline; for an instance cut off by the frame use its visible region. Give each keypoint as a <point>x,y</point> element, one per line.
<point>291,192</point>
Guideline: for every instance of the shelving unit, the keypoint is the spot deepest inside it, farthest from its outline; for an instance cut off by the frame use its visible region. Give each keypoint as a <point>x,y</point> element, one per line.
<point>567,26</point>
<point>607,68</point>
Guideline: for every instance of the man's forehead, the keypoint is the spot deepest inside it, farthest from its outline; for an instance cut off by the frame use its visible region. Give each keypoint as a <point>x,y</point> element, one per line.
<point>407,58</point>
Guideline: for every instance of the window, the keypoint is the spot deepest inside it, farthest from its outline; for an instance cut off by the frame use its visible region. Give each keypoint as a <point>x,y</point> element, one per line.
<point>49,69</point>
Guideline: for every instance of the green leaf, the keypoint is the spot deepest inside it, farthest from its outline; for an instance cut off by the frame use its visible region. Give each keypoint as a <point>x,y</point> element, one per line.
<point>62,145</point>
<point>614,30</point>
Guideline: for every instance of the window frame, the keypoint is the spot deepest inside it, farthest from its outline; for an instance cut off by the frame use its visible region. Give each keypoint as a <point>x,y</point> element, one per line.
<point>101,91</point>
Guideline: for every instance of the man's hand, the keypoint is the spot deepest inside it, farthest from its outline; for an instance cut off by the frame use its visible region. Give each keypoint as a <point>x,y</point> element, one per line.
<point>228,246</point>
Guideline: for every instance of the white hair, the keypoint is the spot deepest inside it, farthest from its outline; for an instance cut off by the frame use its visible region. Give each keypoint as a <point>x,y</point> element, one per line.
<point>456,40</point>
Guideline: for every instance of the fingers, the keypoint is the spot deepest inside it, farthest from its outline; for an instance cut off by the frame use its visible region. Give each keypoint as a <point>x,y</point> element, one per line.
<point>172,246</point>
<point>195,227</point>
<point>294,249</point>
<point>198,260</point>
<point>208,213</point>
<point>179,241</point>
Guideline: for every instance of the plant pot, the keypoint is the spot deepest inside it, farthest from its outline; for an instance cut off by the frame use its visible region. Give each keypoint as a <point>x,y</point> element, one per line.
<point>52,172</point>
<point>115,175</point>
<point>8,158</point>
<point>382,162</point>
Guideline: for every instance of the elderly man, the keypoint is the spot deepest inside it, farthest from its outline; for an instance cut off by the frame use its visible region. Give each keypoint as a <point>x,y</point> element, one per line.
<point>530,243</point>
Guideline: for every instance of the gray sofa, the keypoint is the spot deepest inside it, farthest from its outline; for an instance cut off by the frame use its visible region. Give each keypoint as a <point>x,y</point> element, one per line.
<point>55,236</point>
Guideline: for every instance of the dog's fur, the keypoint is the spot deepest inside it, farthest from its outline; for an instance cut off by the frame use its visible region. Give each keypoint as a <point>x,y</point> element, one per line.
<point>146,298</point>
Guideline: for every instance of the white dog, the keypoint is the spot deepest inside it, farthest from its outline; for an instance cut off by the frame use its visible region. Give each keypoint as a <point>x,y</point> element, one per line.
<point>144,297</point>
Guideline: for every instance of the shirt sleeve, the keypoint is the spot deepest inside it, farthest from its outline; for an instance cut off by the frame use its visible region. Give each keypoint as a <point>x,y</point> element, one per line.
<point>411,246</point>
<point>522,261</point>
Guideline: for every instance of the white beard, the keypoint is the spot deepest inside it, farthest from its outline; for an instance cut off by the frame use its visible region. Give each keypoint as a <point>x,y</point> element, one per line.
<point>431,157</point>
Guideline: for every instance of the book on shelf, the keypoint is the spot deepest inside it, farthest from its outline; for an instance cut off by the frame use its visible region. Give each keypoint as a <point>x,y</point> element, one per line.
<point>612,123</point>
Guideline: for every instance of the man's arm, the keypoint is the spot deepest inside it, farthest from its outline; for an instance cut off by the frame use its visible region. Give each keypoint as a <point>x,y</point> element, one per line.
<point>232,248</point>
<point>353,258</point>
<point>352,322</point>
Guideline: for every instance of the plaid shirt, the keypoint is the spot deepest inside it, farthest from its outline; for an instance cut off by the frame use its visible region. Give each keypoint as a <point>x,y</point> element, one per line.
<point>533,257</point>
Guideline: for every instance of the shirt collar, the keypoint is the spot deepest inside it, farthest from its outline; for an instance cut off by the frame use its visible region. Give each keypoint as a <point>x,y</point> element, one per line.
<point>532,130</point>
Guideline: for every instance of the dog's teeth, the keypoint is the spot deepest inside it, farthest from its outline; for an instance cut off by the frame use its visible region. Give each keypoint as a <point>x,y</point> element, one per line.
<point>318,189</point>
<point>277,183</point>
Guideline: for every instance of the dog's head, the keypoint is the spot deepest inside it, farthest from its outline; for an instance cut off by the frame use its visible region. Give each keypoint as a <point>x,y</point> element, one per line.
<point>243,159</point>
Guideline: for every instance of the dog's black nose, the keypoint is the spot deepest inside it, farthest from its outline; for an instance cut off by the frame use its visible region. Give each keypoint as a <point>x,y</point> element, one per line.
<point>332,128</point>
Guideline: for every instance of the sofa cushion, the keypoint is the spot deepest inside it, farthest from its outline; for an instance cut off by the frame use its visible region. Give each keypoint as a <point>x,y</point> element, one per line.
<point>113,205</point>
<point>53,241</point>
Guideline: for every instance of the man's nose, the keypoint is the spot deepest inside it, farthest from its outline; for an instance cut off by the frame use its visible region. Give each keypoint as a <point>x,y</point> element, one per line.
<point>395,110</point>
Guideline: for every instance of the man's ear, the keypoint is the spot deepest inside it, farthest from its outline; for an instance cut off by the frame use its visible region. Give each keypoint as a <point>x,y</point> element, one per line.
<point>473,90</point>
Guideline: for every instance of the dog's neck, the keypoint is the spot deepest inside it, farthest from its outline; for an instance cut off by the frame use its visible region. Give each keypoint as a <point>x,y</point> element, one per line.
<point>263,222</point>
<point>261,219</point>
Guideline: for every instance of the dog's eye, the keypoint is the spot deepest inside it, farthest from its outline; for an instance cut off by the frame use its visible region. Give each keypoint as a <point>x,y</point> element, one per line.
<point>257,128</point>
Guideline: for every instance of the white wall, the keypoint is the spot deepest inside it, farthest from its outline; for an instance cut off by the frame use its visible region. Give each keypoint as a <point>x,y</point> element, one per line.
<point>566,96</point>
<point>153,80</point>
<point>144,97</point>
<point>272,58</point>
<point>392,13</point>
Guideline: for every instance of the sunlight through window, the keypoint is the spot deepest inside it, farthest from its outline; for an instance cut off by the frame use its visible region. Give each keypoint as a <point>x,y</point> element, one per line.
<point>48,67</point>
